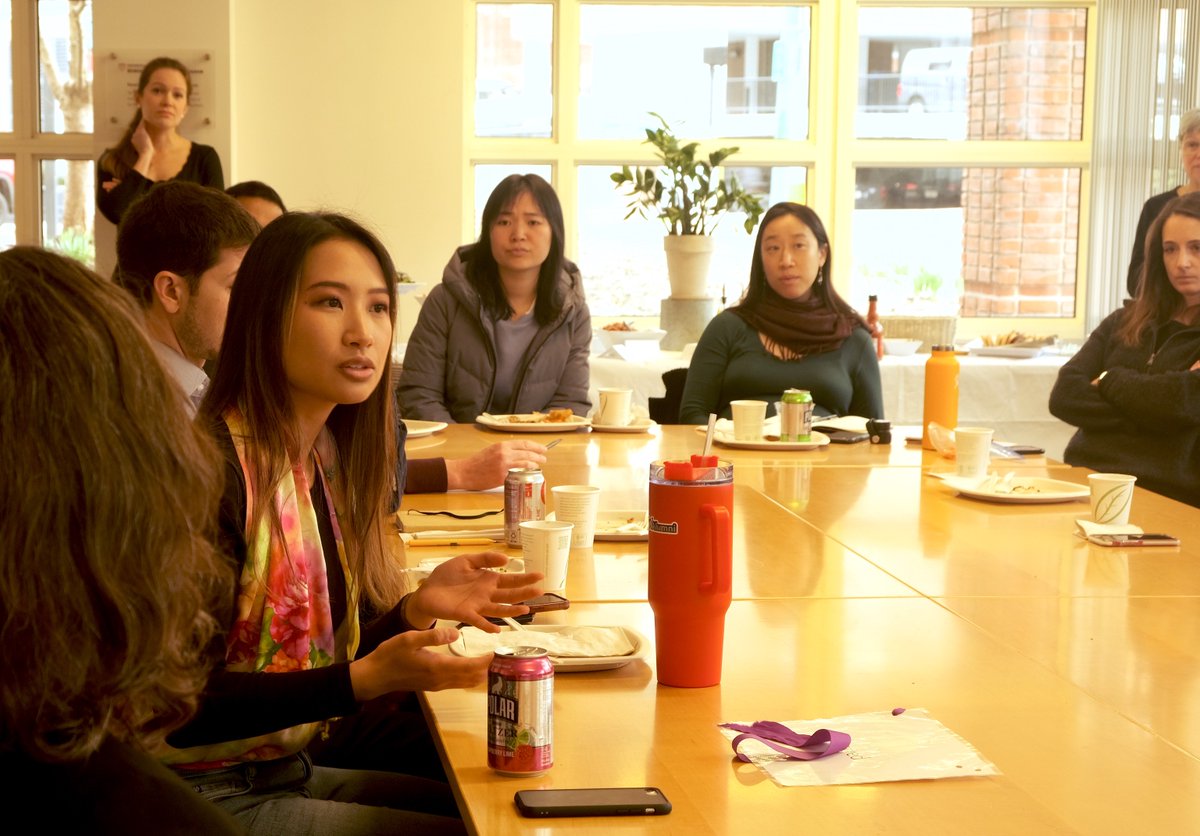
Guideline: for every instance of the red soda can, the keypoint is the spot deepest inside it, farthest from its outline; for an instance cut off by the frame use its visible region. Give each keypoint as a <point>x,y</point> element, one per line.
<point>524,499</point>
<point>520,711</point>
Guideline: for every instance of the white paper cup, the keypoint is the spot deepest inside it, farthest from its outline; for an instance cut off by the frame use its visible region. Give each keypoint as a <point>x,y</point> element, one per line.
<point>748,419</point>
<point>1112,497</point>
<point>972,451</point>
<point>546,545</point>
<point>615,409</point>
<point>577,504</point>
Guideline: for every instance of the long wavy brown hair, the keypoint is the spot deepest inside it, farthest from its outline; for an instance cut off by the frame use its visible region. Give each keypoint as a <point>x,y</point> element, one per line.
<point>250,377</point>
<point>1157,301</point>
<point>118,160</point>
<point>109,501</point>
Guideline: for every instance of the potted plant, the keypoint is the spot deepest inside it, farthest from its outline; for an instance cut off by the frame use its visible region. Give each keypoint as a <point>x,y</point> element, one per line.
<point>682,193</point>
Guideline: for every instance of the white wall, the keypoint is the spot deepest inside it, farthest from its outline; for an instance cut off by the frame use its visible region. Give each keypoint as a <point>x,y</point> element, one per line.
<point>356,106</point>
<point>352,105</point>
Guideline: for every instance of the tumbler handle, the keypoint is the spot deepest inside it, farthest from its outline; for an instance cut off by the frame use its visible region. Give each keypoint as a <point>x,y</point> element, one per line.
<point>720,539</point>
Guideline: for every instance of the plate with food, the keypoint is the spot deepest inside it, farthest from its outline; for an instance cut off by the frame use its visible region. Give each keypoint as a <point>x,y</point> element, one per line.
<point>551,421</point>
<point>1014,345</point>
<point>619,333</point>
<point>572,648</point>
<point>620,526</point>
<point>1017,490</point>
<point>420,429</point>
<point>769,442</point>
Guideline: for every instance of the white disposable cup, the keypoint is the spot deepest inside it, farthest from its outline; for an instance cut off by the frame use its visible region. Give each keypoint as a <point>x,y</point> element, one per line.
<point>748,419</point>
<point>545,546</point>
<point>972,451</point>
<point>577,504</point>
<point>1112,497</point>
<point>615,408</point>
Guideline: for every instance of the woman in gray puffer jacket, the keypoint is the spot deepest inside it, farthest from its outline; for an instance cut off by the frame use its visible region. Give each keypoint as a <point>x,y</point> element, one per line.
<point>508,329</point>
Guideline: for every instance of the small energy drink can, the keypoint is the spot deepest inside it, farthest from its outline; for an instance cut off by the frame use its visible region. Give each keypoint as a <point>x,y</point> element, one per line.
<point>795,415</point>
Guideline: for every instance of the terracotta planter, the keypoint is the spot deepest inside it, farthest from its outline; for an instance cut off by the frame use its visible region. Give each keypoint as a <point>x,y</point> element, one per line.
<point>688,257</point>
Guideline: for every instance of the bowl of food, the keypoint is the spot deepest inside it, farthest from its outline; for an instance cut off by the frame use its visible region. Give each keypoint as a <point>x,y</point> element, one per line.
<point>619,333</point>
<point>899,347</point>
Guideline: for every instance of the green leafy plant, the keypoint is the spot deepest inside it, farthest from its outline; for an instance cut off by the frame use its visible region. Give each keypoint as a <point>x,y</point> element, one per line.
<point>681,193</point>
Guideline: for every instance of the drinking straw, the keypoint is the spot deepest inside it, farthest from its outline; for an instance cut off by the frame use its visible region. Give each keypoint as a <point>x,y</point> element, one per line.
<point>708,437</point>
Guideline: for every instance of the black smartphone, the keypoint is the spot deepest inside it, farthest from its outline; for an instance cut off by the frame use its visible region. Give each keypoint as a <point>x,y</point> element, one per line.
<point>837,436</point>
<point>1025,449</point>
<point>1135,539</point>
<point>612,801</point>
<point>543,603</point>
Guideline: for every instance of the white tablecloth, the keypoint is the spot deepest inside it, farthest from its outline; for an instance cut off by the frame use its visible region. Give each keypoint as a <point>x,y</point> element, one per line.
<point>1011,396</point>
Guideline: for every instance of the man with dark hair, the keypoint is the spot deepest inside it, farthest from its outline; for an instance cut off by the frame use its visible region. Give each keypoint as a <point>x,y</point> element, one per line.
<point>262,202</point>
<point>178,253</point>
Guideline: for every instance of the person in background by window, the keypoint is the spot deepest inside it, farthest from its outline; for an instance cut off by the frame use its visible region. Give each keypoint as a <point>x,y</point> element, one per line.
<point>262,202</point>
<point>790,331</point>
<point>1189,153</point>
<point>508,329</point>
<point>1133,390</point>
<point>107,563</point>
<point>152,149</point>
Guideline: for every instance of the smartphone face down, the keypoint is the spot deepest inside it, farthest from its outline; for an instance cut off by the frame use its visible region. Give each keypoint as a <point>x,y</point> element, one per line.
<point>610,801</point>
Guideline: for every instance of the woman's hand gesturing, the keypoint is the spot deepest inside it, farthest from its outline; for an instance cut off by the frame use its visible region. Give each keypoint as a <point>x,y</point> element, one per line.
<point>464,589</point>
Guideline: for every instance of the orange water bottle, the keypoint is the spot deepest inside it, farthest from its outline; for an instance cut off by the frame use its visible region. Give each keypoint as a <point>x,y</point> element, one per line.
<point>941,391</point>
<point>875,325</point>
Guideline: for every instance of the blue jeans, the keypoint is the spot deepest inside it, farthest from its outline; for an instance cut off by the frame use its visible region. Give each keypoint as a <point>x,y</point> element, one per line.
<point>291,796</point>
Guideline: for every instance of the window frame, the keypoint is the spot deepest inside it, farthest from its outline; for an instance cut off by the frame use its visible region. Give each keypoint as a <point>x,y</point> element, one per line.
<point>831,153</point>
<point>27,145</point>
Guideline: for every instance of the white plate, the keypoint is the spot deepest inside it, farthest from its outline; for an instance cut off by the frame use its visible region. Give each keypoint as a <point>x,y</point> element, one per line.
<point>420,429</point>
<point>1010,351</point>
<point>819,439</point>
<point>1048,490</point>
<point>576,664</point>
<point>503,424</point>
<point>610,526</point>
<point>637,425</point>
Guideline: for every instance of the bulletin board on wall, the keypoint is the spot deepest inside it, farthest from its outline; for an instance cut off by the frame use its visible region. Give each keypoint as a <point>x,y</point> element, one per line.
<point>119,77</point>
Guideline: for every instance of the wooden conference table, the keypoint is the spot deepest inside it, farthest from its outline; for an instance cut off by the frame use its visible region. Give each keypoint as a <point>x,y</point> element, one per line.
<point>861,584</point>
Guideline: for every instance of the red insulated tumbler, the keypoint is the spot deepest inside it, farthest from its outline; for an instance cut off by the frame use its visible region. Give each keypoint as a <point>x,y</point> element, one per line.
<point>691,541</point>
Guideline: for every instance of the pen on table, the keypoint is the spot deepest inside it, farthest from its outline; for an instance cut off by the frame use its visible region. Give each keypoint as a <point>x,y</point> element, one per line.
<point>460,541</point>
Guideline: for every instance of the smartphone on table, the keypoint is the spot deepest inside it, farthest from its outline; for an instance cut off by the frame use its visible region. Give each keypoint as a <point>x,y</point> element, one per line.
<point>590,801</point>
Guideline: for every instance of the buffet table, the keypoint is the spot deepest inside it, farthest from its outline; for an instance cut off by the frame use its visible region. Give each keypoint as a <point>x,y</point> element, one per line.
<point>862,583</point>
<point>1011,396</point>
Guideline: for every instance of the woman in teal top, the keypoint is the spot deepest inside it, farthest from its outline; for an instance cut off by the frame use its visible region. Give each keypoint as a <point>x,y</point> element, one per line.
<point>790,331</point>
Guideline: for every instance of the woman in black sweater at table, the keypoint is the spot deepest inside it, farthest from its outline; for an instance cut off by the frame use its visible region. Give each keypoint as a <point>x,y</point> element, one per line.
<point>152,149</point>
<point>301,403</point>
<point>1134,388</point>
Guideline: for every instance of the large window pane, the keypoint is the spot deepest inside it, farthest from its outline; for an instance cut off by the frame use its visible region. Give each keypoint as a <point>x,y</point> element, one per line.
<point>980,241</point>
<point>709,70</point>
<point>65,68</point>
<point>68,206</point>
<point>487,177</point>
<point>971,73</point>
<point>513,70</point>
<point>622,261</point>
